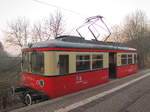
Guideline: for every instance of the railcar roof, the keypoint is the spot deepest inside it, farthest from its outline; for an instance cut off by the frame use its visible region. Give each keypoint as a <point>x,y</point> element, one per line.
<point>78,42</point>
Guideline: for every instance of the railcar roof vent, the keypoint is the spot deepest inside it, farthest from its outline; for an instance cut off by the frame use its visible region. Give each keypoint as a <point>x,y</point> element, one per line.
<point>70,38</point>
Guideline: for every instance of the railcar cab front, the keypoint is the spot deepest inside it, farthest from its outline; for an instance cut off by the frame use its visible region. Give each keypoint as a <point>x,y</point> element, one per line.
<point>33,62</point>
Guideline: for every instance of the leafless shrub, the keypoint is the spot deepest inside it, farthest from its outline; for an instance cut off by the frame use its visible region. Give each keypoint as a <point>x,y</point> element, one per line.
<point>18,32</point>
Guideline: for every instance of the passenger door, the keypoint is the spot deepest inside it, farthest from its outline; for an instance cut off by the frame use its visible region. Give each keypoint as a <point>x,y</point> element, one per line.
<point>112,65</point>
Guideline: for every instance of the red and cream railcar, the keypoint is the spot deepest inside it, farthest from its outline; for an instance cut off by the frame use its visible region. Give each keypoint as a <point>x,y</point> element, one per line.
<point>69,64</point>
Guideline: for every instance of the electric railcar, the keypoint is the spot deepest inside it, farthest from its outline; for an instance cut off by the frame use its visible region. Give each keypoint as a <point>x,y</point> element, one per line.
<point>69,64</point>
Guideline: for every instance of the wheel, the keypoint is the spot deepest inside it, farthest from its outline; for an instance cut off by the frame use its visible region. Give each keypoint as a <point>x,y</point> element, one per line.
<point>28,99</point>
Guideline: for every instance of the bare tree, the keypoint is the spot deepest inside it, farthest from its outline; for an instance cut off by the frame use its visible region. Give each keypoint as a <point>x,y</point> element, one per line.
<point>18,32</point>
<point>135,26</point>
<point>136,34</point>
<point>116,35</point>
<point>54,25</point>
<point>37,32</point>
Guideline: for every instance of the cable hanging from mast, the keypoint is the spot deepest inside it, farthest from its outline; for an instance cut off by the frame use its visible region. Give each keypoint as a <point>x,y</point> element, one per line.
<point>58,7</point>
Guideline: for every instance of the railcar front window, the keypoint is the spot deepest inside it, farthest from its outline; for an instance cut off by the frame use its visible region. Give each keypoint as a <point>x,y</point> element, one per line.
<point>37,62</point>
<point>82,63</point>
<point>25,62</point>
<point>97,61</point>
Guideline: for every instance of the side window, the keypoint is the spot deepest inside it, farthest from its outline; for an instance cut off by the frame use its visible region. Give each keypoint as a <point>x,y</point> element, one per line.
<point>97,61</point>
<point>124,59</point>
<point>130,59</point>
<point>63,64</point>
<point>82,63</point>
<point>37,62</point>
<point>25,62</point>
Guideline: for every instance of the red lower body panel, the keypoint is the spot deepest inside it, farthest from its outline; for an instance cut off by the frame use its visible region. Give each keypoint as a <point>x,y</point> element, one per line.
<point>123,71</point>
<point>73,83</point>
<point>61,85</point>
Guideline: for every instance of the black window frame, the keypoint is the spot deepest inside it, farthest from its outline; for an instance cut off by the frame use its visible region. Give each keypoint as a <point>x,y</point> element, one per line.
<point>130,60</point>
<point>37,62</point>
<point>63,63</point>
<point>127,58</point>
<point>83,62</point>
<point>97,61</point>
<point>25,62</point>
<point>124,59</point>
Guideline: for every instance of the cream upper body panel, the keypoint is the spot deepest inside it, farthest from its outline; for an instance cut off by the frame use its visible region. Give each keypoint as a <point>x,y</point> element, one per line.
<point>52,60</point>
<point>49,62</point>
